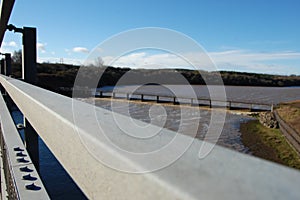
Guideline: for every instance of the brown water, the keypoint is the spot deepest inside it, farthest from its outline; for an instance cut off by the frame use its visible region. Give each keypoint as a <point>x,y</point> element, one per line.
<point>230,136</point>
<point>266,95</point>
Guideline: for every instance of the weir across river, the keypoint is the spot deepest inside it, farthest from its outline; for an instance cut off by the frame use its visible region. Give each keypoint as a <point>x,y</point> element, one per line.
<point>201,102</point>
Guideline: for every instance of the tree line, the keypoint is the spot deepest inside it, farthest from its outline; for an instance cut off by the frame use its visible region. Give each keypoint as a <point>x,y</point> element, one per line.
<point>60,77</point>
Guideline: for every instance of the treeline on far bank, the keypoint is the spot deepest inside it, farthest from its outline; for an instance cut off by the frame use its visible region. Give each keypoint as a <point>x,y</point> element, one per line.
<point>60,77</point>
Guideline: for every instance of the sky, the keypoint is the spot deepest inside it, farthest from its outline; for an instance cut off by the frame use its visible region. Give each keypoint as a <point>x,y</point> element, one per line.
<point>260,36</point>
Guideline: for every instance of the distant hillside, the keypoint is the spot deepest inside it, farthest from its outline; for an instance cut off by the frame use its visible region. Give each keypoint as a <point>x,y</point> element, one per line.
<point>60,77</point>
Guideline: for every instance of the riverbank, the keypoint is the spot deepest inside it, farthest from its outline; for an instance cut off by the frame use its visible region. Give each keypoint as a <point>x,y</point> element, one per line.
<point>290,113</point>
<point>269,144</point>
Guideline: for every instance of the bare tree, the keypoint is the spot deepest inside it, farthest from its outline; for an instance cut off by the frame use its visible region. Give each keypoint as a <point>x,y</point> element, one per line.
<point>17,57</point>
<point>99,62</point>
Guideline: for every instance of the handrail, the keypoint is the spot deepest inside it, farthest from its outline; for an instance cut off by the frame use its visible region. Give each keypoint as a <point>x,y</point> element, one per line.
<point>19,174</point>
<point>222,174</point>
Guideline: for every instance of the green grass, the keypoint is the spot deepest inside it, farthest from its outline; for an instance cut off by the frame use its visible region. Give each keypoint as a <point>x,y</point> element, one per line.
<point>290,113</point>
<point>269,144</point>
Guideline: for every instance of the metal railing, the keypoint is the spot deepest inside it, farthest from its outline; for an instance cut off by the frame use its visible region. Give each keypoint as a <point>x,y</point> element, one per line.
<point>211,103</point>
<point>19,177</point>
<point>76,143</point>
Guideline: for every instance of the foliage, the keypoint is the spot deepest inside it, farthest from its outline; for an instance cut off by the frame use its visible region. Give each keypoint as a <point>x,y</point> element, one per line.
<point>17,57</point>
<point>290,113</point>
<point>55,76</point>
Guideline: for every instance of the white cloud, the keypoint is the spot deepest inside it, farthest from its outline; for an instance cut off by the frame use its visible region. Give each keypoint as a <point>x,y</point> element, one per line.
<point>41,47</point>
<point>144,60</point>
<point>10,44</point>
<point>247,56</point>
<point>236,60</point>
<point>284,62</point>
<point>80,50</point>
<point>71,61</point>
<point>261,62</point>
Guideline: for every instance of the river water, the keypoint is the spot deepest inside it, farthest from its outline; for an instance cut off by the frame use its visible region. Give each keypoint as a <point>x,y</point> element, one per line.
<point>59,184</point>
<point>265,95</point>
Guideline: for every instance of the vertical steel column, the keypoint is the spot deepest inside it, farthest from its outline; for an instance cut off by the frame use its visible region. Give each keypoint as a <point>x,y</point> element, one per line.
<point>7,68</point>
<point>29,55</point>
<point>2,66</point>
<point>2,72</point>
<point>29,76</point>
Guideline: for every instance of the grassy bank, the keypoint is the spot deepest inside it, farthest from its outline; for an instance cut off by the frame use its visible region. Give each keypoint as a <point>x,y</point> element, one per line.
<point>290,113</point>
<point>268,144</point>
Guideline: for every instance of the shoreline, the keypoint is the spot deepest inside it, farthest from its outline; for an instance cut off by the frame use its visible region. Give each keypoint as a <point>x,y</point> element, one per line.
<point>269,144</point>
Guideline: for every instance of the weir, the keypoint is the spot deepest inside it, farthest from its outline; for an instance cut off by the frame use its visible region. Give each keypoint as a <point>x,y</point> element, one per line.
<point>175,100</point>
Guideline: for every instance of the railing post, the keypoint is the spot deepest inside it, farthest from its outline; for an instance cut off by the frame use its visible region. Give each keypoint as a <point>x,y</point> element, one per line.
<point>7,68</point>
<point>2,72</point>
<point>229,105</point>
<point>29,76</point>
<point>2,66</point>
<point>272,108</point>
<point>29,55</point>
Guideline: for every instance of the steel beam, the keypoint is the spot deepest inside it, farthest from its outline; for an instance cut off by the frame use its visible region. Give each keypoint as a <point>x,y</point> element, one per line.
<point>14,160</point>
<point>6,9</point>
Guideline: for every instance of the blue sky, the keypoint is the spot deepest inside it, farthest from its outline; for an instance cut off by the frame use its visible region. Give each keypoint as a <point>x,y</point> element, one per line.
<point>241,35</point>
